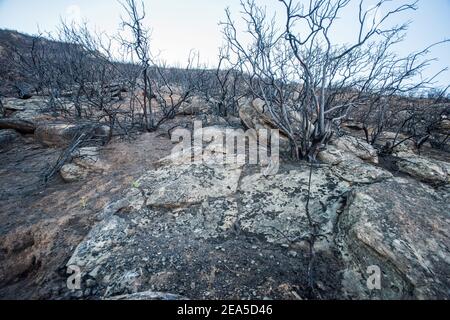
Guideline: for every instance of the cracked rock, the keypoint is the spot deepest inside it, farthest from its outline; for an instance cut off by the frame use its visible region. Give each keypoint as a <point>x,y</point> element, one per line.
<point>380,228</point>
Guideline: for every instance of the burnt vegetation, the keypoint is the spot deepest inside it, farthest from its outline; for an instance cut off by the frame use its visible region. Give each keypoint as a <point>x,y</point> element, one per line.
<point>308,86</point>
<point>311,86</point>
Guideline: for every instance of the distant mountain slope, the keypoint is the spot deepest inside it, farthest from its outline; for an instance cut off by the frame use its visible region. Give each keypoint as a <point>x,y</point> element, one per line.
<point>16,49</point>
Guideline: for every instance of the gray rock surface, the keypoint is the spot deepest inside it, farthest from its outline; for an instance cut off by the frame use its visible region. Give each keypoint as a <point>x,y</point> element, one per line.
<point>180,217</point>
<point>334,156</point>
<point>424,169</point>
<point>52,135</point>
<point>275,206</point>
<point>356,147</point>
<point>27,110</point>
<point>84,162</point>
<point>204,230</point>
<point>149,295</point>
<point>72,173</point>
<point>357,172</point>
<point>402,227</point>
<point>7,137</point>
<point>186,184</point>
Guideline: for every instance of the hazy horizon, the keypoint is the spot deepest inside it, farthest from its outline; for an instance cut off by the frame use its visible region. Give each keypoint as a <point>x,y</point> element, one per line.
<point>178,27</point>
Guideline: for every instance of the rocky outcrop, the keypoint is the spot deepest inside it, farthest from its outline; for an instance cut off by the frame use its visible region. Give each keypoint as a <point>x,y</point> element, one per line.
<point>352,160</point>
<point>72,173</point>
<point>7,137</point>
<point>187,184</point>
<point>167,232</point>
<point>149,296</point>
<point>195,106</point>
<point>356,147</point>
<point>275,206</point>
<point>30,110</point>
<point>402,227</point>
<point>334,156</point>
<point>397,143</point>
<point>206,229</point>
<point>357,172</point>
<point>351,156</point>
<point>59,134</point>
<point>84,162</point>
<point>172,207</point>
<point>424,169</point>
<point>18,125</point>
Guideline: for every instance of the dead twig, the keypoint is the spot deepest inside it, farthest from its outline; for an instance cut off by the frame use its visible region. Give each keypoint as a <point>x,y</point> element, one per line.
<point>84,135</point>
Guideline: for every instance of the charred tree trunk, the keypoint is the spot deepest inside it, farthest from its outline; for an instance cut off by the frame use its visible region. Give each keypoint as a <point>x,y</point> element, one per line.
<point>21,126</point>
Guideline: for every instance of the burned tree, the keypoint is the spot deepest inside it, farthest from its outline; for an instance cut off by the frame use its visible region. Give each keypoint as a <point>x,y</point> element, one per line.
<point>167,94</point>
<point>139,46</point>
<point>222,87</point>
<point>309,83</point>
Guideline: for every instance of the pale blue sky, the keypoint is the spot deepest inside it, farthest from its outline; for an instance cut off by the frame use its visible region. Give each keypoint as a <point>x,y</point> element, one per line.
<point>181,25</point>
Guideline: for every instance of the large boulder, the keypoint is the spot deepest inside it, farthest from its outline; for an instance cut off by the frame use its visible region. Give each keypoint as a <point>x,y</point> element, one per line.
<point>424,169</point>
<point>401,227</point>
<point>62,134</point>
<point>56,134</point>
<point>176,228</point>
<point>195,106</point>
<point>72,173</point>
<point>334,156</point>
<point>255,115</point>
<point>356,147</point>
<point>397,142</point>
<point>347,148</point>
<point>89,158</point>
<point>84,162</point>
<point>31,110</point>
<point>353,160</point>
<point>22,126</point>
